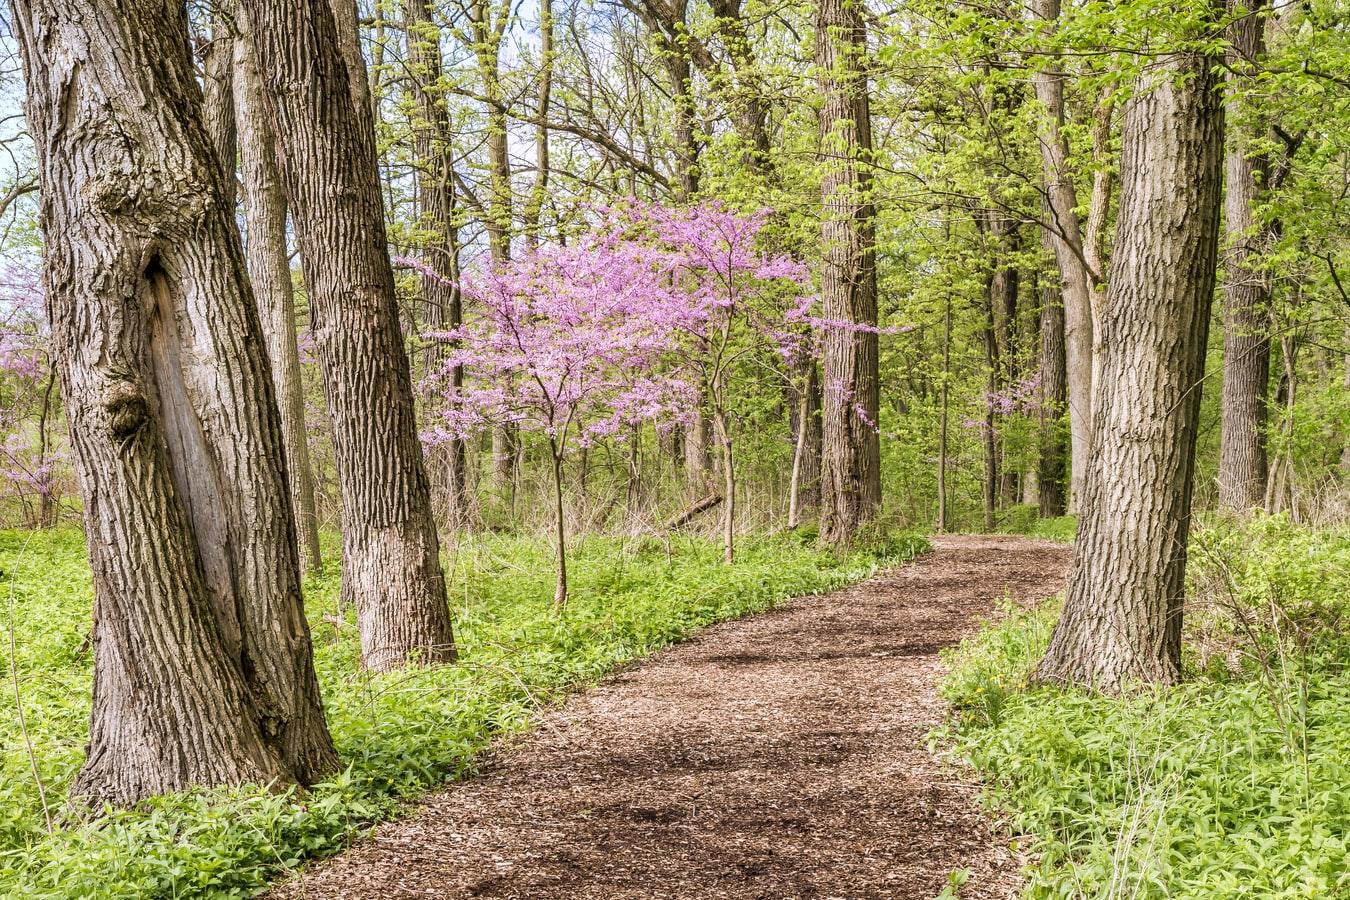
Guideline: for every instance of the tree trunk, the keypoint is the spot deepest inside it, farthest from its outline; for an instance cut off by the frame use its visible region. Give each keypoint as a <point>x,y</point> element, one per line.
<point>1053,395</point>
<point>1246,314</point>
<point>391,568</point>
<point>1122,616</point>
<point>851,458</point>
<point>1067,235</point>
<point>804,490</point>
<point>539,190</point>
<point>943,522</point>
<point>989,433</point>
<point>435,200</point>
<point>269,271</point>
<point>202,665</point>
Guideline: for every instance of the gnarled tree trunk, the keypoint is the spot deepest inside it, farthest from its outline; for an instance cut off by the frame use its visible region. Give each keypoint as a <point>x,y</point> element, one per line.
<point>203,672</point>
<point>391,568</point>
<point>1122,616</point>
<point>851,457</point>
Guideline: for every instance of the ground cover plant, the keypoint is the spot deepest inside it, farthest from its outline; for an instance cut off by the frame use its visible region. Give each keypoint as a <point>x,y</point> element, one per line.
<point>398,734</point>
<point>1232,785</point>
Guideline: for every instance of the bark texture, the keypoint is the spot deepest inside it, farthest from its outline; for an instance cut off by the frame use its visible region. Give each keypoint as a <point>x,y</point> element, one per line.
<point>851,455</point>
<point>269,270</point>
<point>1122,616</point>
<point>442,306</point>
<point>202,665</point>
<point>1246,299</point>
<point>1067,236</point>
<point>1053,396</point>
<point>391,568</point>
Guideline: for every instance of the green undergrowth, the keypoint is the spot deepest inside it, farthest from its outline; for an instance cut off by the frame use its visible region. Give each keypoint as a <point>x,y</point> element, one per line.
<point>1236,784</point>
<point>1025,518</point>
<point>399,735</point>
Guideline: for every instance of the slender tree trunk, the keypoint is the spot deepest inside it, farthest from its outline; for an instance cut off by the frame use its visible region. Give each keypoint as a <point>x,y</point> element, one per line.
<point>851,459</point>
<point>1246,314</point>
<point>1122,616</point>
<point>751,113</point>
<point>943,524</point>
<point>202,665</point>
<point>1004,288</point>
<point>1076,276</point>
<point>989,492</point>
<point>723,429</point>
<point>1053,395</point>
<point>391,568</point>
<point>269,270</point>
<point>559,527</point>
<point>804,492</point>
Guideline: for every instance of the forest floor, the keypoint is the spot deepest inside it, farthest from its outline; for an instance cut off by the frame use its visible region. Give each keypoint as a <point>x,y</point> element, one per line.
<point>782,755</point>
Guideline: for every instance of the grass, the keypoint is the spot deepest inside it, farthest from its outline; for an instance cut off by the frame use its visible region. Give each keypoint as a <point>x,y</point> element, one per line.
<point>399,735</point>
<point>1236,784</point>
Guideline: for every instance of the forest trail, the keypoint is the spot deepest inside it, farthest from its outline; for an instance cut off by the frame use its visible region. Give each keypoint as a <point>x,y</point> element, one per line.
<point>777,756</point>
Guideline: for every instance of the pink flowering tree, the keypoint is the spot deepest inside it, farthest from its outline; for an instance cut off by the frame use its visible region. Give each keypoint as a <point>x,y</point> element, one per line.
<point>743,313</point>
<point>28,460</point>
<point>572,343</point>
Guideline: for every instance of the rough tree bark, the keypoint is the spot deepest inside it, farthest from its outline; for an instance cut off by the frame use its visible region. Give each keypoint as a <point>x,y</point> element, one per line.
<point>391,568</point>
<point>851,457</point>
<point>1246,314</point>
<point>203,672</point>
<point>269,270</point>
<point>434,173</point>
<point>1122,616</point>
<point>1053,396</point>
<point>1077,276</point>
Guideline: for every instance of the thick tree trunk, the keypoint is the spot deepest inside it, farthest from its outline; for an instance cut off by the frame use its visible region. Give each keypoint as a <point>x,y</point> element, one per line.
<point>391,568</point>
<point>1053,395</point>
<point>1067,235</point>
<point>851,457</point>
<point>269,270</point>
<point>1122,616</point>
<point>1246,314</point>
<point>435,201</point>
<point>202,665</point>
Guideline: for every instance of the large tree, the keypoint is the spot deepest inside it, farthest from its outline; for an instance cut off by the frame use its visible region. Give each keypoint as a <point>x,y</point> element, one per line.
<point>1122,616</point>
<point>851,456</point>
<point>391,567</point>
<point>203,672</point>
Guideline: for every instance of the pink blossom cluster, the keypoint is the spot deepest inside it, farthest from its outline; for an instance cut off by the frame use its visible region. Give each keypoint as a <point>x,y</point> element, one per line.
<point>582,342</point>
<point>1024,396</point>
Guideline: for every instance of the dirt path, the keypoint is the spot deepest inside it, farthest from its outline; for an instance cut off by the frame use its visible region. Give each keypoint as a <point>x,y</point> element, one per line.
<point>778,756</point>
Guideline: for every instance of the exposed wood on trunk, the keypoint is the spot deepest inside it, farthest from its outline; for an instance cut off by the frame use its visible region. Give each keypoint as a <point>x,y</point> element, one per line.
<point>391,568</point>
<point>202,667</point>
<point>1122,616</point>
<point>851,457</point>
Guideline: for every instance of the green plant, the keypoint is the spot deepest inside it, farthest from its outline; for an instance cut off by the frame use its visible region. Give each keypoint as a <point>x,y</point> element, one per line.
<point>1236,784</point>
<point>399,734</point>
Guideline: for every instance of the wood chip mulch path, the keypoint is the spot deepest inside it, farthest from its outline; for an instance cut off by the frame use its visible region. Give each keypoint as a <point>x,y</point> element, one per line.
<point>778,756</point>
